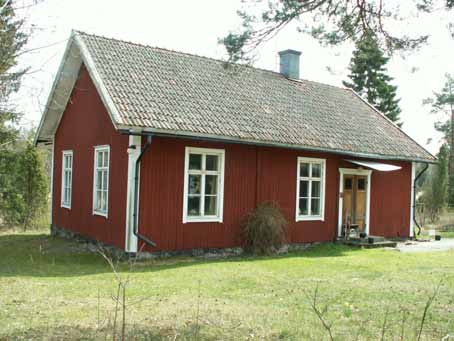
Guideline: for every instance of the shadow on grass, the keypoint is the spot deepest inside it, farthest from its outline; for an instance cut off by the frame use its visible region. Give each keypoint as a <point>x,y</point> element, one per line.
<point>133,332</point>
<point>40,255</point>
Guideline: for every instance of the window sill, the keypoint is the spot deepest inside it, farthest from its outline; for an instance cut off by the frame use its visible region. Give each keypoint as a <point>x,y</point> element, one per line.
<point>101,214</point>
<point>308,218</point>
<point>187,220</point>
<point>68,207</point>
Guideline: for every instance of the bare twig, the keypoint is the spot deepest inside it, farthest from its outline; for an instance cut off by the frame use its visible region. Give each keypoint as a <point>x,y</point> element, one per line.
<point>383,328</point>
<point>320,313</point>
<point>427,306</point>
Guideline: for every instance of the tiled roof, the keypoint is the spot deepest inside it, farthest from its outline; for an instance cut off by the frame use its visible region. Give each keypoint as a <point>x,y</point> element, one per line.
<point>174,92</point>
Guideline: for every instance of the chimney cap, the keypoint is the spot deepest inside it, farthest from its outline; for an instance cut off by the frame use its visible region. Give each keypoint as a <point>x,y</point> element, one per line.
<point>290,51</point>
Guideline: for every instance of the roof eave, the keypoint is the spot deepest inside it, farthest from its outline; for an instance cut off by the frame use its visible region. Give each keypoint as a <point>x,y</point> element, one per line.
<point>230,139</point>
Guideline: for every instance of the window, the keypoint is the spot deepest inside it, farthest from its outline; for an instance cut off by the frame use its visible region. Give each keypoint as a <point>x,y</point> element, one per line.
<point>310,203</point>
<point>67,178</point>
<point>101,181</point>
<point>203,185</point>
<point>348,184</point>
<point>361,184</point>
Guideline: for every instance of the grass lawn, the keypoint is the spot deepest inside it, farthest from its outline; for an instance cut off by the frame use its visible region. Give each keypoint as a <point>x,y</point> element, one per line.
<point>50,288</point>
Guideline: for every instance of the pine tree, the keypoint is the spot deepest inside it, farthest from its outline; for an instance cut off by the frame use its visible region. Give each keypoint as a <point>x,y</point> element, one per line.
<point>443,103</point>
<point>12,42</point>
<point>434,195</point>
<point>370,80</point>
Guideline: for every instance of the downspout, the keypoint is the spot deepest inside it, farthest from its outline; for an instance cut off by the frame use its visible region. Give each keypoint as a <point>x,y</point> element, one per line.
<point>414,197</point>
<point>136,196</point>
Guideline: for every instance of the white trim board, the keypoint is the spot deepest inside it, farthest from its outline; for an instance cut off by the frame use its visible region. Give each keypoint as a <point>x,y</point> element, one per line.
<point>133,154</point>
<point>412,198</point>
<point>352,171</point>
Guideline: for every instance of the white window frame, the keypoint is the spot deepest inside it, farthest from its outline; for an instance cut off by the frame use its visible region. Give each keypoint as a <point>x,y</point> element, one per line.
<point>221,172</point>
<point>322,179</point>
<point>64,204</point>
<point>97,150</point>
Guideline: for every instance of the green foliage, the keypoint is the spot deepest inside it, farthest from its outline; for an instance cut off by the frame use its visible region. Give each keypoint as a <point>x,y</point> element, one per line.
<point>443,104</point>
<point>23,185</point>
<point>264,230</point>
<point>370,80</point>
<point>331,22</point>
<point>435,190</point>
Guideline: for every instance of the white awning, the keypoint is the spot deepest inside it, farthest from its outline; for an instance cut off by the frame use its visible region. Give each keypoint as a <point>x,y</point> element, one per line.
<point>382,167</point>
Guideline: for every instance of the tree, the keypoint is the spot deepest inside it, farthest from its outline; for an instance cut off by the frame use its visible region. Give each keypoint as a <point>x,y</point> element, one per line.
<point>33,184</point>
<point>12,42</point>
<point>443,103</point>
<point>24,188</point>
<point>434,194</point>
<point>369,78</point>
<point>331,22</point>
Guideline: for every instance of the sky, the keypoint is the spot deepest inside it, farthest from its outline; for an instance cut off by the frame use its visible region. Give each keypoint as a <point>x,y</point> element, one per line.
<point>195,26</point>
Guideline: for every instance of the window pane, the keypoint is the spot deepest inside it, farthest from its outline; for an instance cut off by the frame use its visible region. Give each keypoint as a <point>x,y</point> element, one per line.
<point>302,206</point>
<point>106,159</point>
<point>361,184</point>
<point>211,184</point>
<point>211,162</point>
<point>195,161</point>
<point>104,180</point>
<point>194,184</point>
<point>348,184</point>
<point>316,170</point>
<point>104,201</point>
<point>194,206</point>
<point>99,159</point>
<point>210,205</point>
<point>315,189</point>
<point>304,169</point>
<point>98,180</point>
<point>315,207</point>
<point>98,201</point>
<point>304,188</point>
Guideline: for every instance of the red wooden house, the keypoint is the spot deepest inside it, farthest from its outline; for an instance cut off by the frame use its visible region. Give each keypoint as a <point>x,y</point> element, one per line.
<point>175,149</point>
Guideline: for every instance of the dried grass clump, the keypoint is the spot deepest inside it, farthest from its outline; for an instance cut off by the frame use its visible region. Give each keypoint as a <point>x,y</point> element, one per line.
<point>264,230</point>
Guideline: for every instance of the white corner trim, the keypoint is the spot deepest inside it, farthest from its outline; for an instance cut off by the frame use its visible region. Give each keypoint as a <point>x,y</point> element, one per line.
<point>52,177</point>
<point>96,150</point>
<point>353,171</point>
<point>221,173</point>
<point>64,154</point>
<point>412,198</point>
<point>321,217</point>
<point>131,241</point>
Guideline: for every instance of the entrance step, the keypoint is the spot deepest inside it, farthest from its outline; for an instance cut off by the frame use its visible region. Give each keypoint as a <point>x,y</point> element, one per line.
<point>368,242</point>
<point>375,239</point>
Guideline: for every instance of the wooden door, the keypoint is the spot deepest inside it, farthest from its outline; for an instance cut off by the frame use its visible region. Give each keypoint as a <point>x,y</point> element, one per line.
<point>348,204</point>
<point>360,202</point>
<point>354,201</point>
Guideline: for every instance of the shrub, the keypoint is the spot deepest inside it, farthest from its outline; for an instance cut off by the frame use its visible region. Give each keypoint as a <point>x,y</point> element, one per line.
<point>264,230</point>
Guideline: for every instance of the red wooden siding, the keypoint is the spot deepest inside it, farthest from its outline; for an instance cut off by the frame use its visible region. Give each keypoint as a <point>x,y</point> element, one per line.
<point>85,124</point>
<point>254,175</point>
<point>390,202</point>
